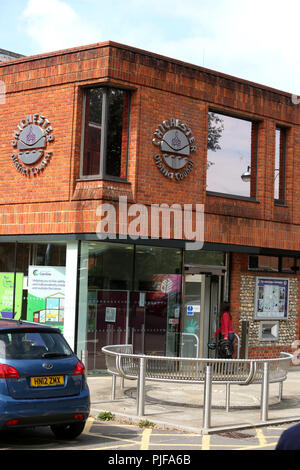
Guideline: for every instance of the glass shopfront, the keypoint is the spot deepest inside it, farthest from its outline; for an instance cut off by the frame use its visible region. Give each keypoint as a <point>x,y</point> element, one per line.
<point>32,282</point>
<point>147,296</point>
<point>162,300</point>
<point>128,294</point>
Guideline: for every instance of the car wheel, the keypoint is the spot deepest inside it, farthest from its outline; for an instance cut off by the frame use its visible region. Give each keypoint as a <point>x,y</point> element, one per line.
<point>67,431</point>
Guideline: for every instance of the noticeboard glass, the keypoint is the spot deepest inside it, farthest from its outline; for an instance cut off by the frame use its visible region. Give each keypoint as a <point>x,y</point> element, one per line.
<point>271,298</point>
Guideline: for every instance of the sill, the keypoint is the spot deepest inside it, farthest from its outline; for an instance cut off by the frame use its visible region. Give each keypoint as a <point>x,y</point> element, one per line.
<point>233,196</point>
<point>277,202</point>
<point>106,178</point>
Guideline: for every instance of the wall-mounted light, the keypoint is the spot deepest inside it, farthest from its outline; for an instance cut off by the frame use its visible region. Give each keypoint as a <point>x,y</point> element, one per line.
<point>246,177</point>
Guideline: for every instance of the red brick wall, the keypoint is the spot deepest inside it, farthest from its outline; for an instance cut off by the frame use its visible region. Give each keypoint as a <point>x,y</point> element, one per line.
<point>55,202</point>
<point>239,266</point>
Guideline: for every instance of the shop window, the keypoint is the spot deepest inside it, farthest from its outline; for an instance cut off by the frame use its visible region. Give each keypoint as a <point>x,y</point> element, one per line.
<point>110,266</point>
<point>105,139</point>
<point>283,264</point>
<point>279,172</point>
<point>32,282</point>
<point>231,155</point>
<point>206,258</point>
<point>289,264</point>
<point>129,294</point>
<point>264,263</point>
<point>153,264</point>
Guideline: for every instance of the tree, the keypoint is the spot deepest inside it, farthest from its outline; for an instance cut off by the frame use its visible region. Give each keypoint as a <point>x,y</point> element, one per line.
<point>215,129</point>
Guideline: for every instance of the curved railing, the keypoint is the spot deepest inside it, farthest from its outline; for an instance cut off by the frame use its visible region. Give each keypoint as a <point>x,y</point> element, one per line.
<point>121,361</point>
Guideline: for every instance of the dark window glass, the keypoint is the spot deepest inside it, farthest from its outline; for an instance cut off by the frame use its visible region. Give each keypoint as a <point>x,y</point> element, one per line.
<point>114,134</point>
<point>279,172</point>
<point>32,344</point>
<point>49,254</point>
<point>152,263</point>
<point>208,258</point>
<point>288,265</point>
<point>105,136</point>
<point>264,263</point>
<point>110,266</point>
<point>92,137</point>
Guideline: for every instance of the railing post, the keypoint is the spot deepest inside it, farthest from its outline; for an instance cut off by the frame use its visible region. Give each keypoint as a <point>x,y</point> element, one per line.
<point>265,393</point>
<point>280,391</point>
<point>141,387</point>
<point>207,397</point>
<point>113,387</point>
<point>122,383</point>
<point>227,396</point>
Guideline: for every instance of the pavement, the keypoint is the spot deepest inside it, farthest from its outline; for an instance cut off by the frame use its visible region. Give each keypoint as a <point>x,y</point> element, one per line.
<point>180,406</point>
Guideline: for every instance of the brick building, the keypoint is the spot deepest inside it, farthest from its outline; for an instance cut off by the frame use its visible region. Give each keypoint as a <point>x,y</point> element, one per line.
<point>8,55</point>
<point>86,129</point>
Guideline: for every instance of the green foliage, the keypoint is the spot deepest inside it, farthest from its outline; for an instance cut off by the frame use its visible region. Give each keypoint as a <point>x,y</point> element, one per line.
<point>106,416</point>
<point>146,424</point>
<point>215,129</point>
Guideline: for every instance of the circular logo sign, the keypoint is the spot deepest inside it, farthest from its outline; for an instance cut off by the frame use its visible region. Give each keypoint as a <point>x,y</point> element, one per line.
<point>176,142</point>
<point>30,141</point>
<point>166,286</point>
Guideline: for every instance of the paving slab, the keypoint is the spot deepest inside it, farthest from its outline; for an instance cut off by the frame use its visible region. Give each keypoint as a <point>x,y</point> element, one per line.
<point>180,406</point>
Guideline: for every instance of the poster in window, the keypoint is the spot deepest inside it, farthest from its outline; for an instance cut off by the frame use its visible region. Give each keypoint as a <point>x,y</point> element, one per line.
<point>110,314</point>
<point>46,295</point>
<point>271,299</point>
<point>11,296</point>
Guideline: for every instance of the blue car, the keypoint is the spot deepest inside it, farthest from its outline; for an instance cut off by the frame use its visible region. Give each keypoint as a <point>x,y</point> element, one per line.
<point>42,382</point>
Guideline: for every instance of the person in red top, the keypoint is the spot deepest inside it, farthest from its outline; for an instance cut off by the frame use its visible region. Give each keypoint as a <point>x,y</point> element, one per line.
<point>226,328</point>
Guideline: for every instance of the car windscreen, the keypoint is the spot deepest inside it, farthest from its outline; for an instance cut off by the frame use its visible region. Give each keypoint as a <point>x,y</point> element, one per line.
<point>32,344</point>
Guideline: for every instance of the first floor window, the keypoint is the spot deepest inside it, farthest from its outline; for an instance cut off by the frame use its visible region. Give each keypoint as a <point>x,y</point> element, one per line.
<point>279,172</point>
<point>105,140</point>
<point>231,155</point>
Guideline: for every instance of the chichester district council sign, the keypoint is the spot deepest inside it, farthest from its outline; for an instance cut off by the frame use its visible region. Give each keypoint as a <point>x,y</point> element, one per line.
<point>30,141</point>
<point>176,142</point>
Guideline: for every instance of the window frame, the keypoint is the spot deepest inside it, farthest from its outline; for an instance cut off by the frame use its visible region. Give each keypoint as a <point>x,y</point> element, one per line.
<point>102,175</point>
<point>280,269</point>
<point>280,201</point>
<point>254,144</point>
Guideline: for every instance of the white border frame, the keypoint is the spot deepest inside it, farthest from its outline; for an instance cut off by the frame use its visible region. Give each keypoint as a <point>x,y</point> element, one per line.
<point>258,316</point>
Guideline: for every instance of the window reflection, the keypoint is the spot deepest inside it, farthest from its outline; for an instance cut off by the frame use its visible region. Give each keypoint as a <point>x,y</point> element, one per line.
<point>231,150</point>
<point>129,295</point>
<point>279,172</point>
<point>106,133</point>
<point>27,294</point>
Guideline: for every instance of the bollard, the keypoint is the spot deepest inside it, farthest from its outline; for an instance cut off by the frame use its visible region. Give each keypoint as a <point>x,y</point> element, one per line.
<point>227,397</point>
<point>265,393</point>
<point>141,388</point>
<point>280,391</point>
<point>207,397</point>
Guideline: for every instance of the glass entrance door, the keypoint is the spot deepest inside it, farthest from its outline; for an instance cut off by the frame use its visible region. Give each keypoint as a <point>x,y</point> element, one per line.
<point>155,318</point>
<point>202,294</point>
<point>107,324</point>
<point>192,315</point>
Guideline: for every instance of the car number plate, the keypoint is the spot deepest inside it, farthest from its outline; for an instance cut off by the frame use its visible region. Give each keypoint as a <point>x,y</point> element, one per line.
<point>46,381</point>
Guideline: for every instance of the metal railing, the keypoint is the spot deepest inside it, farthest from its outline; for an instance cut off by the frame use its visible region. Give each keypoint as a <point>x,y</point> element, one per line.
<point>121,361</point>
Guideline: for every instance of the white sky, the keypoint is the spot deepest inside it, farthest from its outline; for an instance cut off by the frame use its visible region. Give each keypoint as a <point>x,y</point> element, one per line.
<point>253,39</point>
